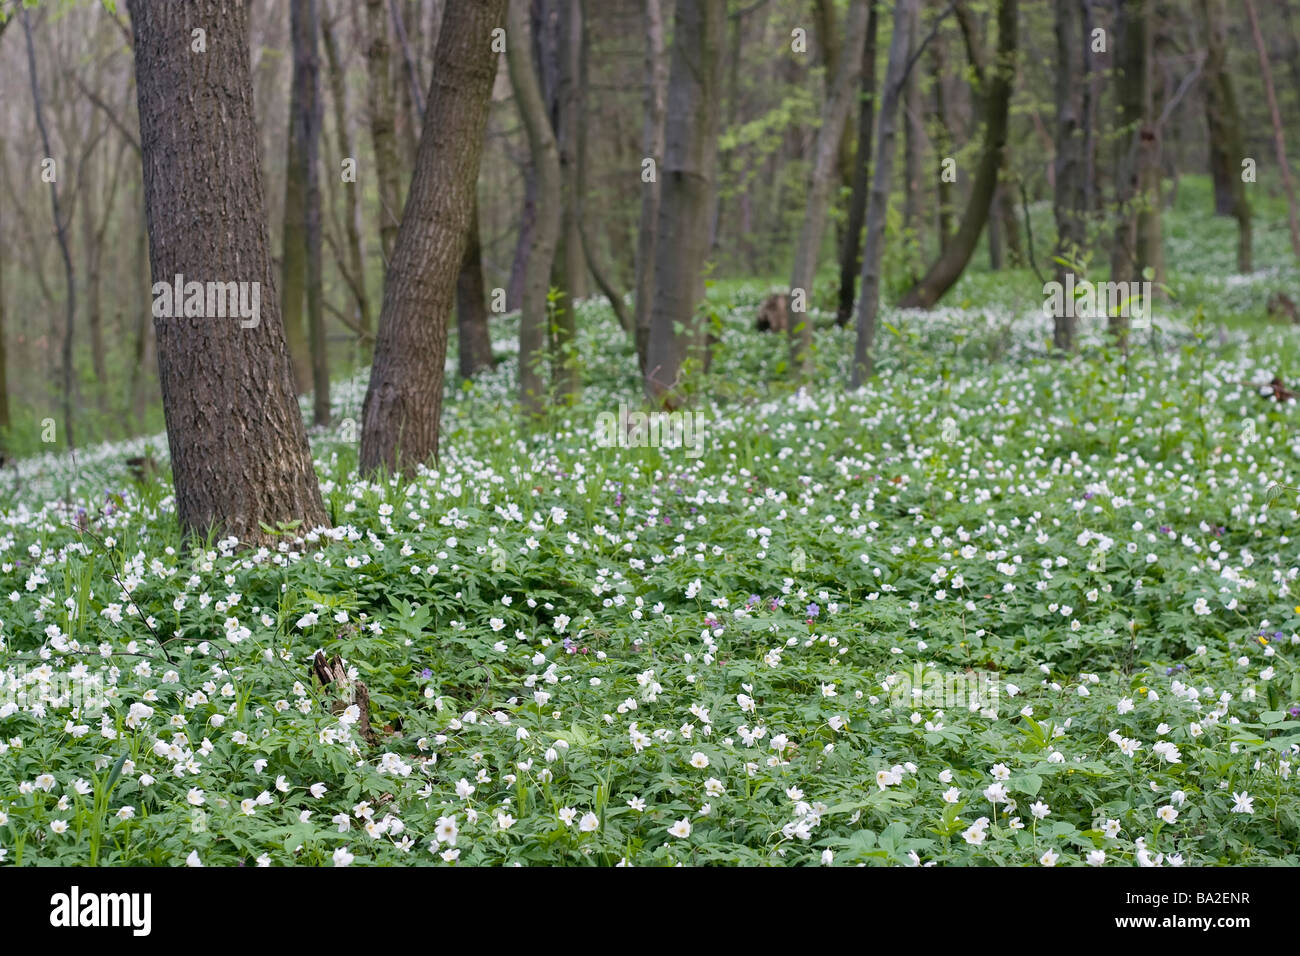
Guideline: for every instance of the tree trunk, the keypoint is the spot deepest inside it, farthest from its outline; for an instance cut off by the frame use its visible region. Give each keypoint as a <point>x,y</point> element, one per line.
<point>1069,197</point>
<point>473,340</point>
<point>678,335</point>
<point>1279,143</point>
<point>1223,120</point>
<point>942,143</point>
<point>403,404</point>
<point>905,12</point>
<point>61,234</point>
<point>527,222</point>
<point>996,97</point>
<point>238,446</point>
<point>590,255</point>
<point>546,226</point>
<point>912,136</point>
<point>835,113</point>
<point>304,27</point>
<point>851,252</point>
<point>356,280</point>
<point>383,133</point>
<point>572,265</point>
<point>1131,29</point>
<point>652,138</point>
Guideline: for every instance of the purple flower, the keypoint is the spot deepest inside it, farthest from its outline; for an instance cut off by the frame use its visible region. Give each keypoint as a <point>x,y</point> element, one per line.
<point>813,611</point>
<point>426,673</point>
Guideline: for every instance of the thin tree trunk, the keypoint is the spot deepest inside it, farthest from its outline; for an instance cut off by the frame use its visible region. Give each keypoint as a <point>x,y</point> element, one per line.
<point>590,255</point>
<point>652,138</point>
<point>1223,120</point>
<point>678,335</point>
<point>851,252</point>
<point>905,12</point>
<point>572,266</point>
<point>527,223</point>
<point>383,133</point>
<point>942,143</point>
<point>1279,143</point>
<point>835,113</point>
<point>294,253</point>
<point>474,342</point>
<point>61,234</point>
<point>1130,60</point>
<point>996,97</point>
<point>403,403</point>
<point>546,227</point>
<point>912,136</point>
<point>356,280</point>
<point>1069,195</point>
<point>239,450</point>
<point>304,27</point>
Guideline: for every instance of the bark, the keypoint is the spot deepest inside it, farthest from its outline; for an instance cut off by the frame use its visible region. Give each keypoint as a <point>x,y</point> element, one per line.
<point>572,266</point>
<point>851,251</point>
<point>1131,29</point>
<point>996,97</point>
<point>1223,119</point>
<point>239,450</point>
<point>905,13</point>
<point>590,254</point>
<point>355,273</point>
<point>942,143</point>
<point>652,138</point>
<point>403,403</point>
<point>527,222</point>
<point>304,29</point>
<point>473,339</point>
<point>383,132</point>
<point>1279,142</point>
<point>830,131</point>
<point>61,234</point>
<point>546,227</point>
<point>912,136</point>
<point>678,335</point>
<point>295,247</point>
<point>1069,196</point>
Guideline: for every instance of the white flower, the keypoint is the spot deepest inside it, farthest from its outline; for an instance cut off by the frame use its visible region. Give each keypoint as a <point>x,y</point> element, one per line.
<point>1039,809</point>
<point>589,822</point>
<point>1243,802</point>
<point>1049,858</point>
<point>1167,813</point>
<point>193,859</point>
<point>1096,857</point>
<point>568,815</point>
<point>699,761</point>
<point>342,857</point>
<point>681,829</point>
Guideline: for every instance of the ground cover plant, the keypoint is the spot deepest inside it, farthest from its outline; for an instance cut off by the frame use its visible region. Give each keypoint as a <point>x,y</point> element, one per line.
<point>995,608</point>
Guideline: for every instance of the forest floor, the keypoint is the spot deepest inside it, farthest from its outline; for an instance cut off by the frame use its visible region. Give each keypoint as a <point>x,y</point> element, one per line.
<point>995,608</point>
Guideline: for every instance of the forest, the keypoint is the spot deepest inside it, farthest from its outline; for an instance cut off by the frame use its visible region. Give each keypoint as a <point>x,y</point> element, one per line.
<point>649,433</point>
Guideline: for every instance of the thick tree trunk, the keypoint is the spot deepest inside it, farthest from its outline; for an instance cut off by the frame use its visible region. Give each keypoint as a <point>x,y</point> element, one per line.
<point>383,133</point>
<point>905,12</point>
<point>1279,142</point>
<point>546,226</point>
<point>652,138</point>
<point>403,404</point>
<point>678,335</point>
<point>238,446</point>
<point>851,251</point>
<point>473,340</point>
<point>835,113</point>
<point>1069,198</point>
<point>996,97</point>
<point>356,277</point>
